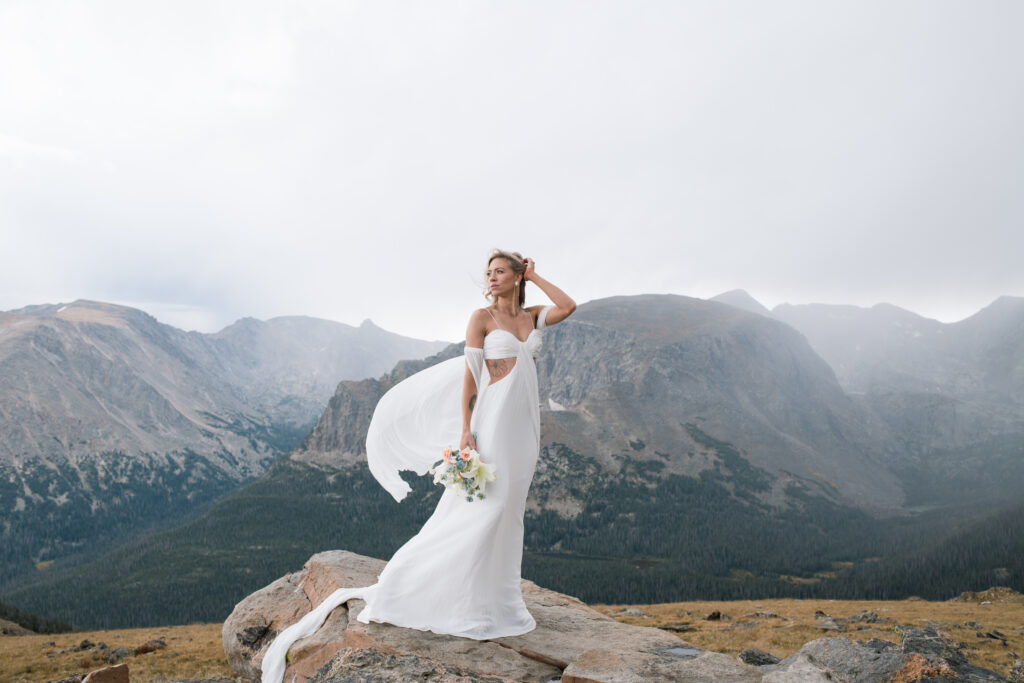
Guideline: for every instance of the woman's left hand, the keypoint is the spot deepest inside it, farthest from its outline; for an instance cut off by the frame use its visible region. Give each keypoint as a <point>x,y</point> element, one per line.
<point>529,263</point>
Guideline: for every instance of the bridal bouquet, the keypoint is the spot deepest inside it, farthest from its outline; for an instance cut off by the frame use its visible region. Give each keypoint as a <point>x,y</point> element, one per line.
<point>464,471</point>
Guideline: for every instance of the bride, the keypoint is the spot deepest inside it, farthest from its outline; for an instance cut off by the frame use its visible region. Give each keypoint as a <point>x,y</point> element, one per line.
<point>460,574</point>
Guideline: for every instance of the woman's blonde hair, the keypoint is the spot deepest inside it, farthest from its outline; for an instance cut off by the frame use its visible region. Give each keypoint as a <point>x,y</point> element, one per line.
<point>515,262</point>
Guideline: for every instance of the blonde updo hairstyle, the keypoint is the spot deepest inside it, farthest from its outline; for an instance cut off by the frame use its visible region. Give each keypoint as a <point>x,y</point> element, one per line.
<point>515,262</point>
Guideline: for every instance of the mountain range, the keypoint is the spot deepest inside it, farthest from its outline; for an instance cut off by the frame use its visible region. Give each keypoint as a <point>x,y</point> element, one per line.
<point>950,395</point>
<point>689,448</point>
<point>111,421</point>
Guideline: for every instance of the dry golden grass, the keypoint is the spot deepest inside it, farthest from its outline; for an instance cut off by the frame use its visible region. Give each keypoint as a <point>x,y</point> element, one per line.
<point>193,651</point>
<point>796,624</point>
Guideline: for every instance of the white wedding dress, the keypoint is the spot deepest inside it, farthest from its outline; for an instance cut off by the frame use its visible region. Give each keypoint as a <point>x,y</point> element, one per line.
<point>460,574</point>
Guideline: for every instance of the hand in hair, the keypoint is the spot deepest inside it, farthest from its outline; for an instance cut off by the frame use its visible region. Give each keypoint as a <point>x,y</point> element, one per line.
<point>528,273</point>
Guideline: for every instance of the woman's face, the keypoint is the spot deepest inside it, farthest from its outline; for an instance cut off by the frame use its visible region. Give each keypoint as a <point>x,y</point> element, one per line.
<point>501,278</point>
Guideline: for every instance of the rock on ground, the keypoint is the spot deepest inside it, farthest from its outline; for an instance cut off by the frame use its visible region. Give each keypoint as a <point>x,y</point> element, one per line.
<point>572,641</point>
<point>994,594</point>
<point>924,655</point>
<point>111,674</point>
<point>758,657</point>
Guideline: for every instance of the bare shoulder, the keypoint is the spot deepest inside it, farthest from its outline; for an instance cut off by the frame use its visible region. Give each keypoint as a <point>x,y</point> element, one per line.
<point>476,329</point>
<point>479,318</point>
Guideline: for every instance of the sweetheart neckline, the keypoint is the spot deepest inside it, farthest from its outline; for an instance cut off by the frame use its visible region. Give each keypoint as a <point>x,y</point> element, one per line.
<point>521,341</point>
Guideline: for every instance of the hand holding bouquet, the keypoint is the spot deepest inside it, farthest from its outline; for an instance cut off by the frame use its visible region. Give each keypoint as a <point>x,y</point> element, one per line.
<point>464,471</point>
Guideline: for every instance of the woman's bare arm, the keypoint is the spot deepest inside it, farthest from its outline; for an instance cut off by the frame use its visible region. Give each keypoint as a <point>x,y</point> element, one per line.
<point>564,305</point>
<point>474,339</point>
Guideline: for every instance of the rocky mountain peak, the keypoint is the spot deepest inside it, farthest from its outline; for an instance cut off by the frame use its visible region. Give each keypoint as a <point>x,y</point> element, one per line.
<point>1003,316</point>
<point>242,324</point>
<point>740,298</point>
<point>88,311</point>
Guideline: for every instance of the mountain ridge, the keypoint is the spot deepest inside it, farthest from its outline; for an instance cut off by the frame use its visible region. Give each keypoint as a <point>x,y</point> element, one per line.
<point>111,420</point>
<point>685,443</point>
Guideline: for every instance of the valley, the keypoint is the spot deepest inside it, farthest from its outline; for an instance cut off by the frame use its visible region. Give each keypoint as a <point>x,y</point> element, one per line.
<point>690,450</point>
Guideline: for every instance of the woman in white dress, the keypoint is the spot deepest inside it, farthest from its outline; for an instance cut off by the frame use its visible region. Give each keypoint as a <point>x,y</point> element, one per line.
<point>475,547</point>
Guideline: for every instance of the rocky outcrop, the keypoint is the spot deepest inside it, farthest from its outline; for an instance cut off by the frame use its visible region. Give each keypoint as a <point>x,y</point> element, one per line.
<point>923,655</point>
<point>994,594</point>
<point>571,641</point>
<point>10,628</point>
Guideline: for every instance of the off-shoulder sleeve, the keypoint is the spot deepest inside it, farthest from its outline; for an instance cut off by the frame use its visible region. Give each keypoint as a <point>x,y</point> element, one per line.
<point>542,317</point>
<point>475,363</point>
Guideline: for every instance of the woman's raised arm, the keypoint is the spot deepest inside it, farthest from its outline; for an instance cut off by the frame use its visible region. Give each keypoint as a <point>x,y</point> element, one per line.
<point>564,305</point>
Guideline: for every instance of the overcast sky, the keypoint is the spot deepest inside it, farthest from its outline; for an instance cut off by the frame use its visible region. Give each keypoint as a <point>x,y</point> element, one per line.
<point>206,161</point>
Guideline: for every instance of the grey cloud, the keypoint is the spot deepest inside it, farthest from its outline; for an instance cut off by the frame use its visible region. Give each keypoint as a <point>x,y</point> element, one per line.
<point>358,160</point>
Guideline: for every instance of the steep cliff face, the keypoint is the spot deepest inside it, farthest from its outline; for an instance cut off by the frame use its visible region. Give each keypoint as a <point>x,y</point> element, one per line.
<point>669,372</point>
<point>339,436</point>
<point>661,385</point>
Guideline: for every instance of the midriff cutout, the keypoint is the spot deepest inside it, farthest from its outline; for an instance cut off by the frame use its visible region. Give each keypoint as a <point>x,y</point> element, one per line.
<point>498,368</point>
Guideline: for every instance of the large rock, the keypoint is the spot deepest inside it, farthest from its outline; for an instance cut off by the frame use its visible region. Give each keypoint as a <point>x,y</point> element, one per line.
<point>924,654</point>
<point>572,641</point>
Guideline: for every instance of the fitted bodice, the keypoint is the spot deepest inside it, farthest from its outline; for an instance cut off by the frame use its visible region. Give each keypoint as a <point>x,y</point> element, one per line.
<point>501,343</point>
<point>504,344</point>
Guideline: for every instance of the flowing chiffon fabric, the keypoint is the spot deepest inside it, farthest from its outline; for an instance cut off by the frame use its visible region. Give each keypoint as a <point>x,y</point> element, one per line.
<point>460,574</point>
